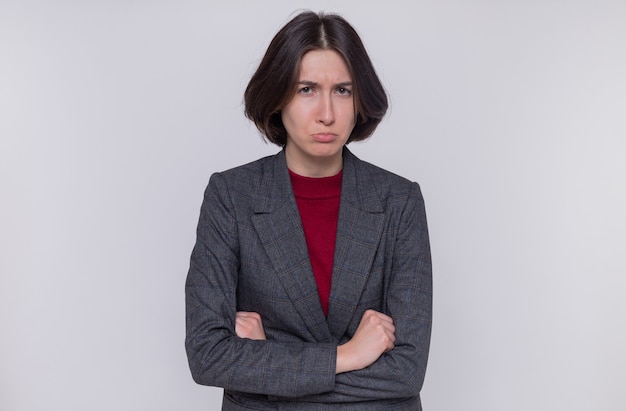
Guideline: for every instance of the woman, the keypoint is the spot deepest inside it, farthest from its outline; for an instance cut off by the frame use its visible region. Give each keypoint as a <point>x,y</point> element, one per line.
<point>310,281</point>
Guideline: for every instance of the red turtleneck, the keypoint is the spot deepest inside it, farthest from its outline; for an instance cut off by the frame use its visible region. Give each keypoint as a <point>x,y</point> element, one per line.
<point>318,203</point>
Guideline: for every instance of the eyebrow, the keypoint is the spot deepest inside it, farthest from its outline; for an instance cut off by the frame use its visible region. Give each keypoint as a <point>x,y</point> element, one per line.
<point>313,83</point>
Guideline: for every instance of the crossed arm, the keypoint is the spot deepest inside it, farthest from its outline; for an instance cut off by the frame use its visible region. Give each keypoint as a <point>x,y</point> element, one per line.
<point>374,336</point>
<point>303,370</point>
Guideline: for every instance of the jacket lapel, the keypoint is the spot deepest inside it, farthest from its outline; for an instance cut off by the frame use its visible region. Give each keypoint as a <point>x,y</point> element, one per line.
<point>278,225</point>
<point>359,230</point>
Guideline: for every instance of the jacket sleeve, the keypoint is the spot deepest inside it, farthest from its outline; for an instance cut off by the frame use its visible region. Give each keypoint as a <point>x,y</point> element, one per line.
<point>400,372</point>
<point>216,356</point>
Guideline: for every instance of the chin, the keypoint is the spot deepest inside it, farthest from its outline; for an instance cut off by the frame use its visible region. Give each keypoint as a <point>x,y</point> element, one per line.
<point>327,152</point>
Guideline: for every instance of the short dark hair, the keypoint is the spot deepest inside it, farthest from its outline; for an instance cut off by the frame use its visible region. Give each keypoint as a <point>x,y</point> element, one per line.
<point>273,84</point>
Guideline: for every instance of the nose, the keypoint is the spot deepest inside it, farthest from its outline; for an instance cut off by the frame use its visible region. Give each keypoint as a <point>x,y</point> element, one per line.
<point>326,115</point>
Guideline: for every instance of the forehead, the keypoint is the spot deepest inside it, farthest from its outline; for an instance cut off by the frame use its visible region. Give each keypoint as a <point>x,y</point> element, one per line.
<point>324,64</point>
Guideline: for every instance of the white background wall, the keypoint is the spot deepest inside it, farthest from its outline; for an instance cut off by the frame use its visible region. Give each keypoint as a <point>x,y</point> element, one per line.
<point>510,114</point>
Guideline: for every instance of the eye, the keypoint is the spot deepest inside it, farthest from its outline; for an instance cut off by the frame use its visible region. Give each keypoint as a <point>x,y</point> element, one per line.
<point>342,91</point>
<point>305,90</point>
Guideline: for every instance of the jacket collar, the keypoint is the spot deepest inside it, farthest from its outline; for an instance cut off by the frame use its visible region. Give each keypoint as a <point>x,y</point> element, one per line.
<point>357,187</point>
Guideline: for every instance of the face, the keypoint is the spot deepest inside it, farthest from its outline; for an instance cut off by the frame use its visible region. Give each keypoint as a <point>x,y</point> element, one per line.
<point>320,116</point>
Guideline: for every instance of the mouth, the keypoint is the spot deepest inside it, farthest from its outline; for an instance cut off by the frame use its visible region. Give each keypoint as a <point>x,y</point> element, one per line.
<point>324,137</point>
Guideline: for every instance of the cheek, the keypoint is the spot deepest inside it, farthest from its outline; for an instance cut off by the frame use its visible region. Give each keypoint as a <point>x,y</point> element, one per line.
<point>349,115</point>
<point>288,120</point>
<point>294,116</point>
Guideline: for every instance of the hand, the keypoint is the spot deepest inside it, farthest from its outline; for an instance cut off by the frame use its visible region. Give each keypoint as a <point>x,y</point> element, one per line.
<point>374,336</point>
<point>249,325</point>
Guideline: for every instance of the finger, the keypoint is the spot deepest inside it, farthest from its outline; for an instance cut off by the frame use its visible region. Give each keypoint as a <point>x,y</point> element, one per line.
<point>244,328</point>
<point>385,318</point>
<point>373,315</point>
<point>246,314</point>
<point>385,326</point>
<point>251,316</point>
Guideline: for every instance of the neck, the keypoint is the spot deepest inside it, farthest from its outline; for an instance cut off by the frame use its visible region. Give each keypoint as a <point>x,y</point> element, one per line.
<point>314,167</point>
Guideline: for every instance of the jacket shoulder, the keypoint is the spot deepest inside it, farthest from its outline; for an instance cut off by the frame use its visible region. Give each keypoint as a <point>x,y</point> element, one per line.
<point>247,170</point>
<point>387,183</point>
<point>243,179</point>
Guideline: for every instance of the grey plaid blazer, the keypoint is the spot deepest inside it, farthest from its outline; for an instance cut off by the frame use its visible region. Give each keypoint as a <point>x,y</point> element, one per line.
<point>251,255</point>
